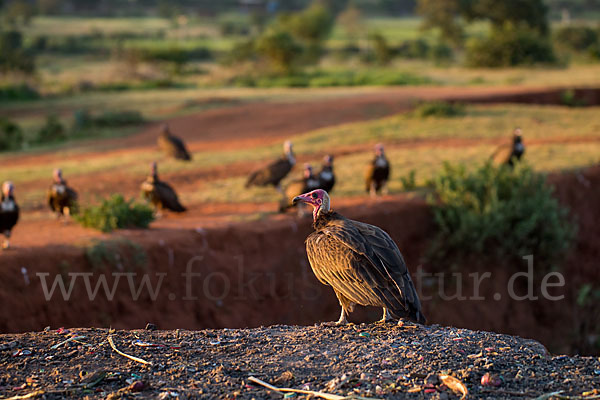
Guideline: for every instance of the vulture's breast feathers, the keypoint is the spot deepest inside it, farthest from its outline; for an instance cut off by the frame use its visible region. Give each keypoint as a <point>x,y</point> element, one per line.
<point>8,205</point>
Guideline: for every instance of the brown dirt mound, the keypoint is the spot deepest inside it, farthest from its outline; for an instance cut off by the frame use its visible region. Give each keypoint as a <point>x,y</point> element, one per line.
<point>408,362</point>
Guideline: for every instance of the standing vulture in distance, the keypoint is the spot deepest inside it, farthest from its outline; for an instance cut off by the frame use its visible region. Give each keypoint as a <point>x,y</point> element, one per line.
<point>326,176</point>
<point>360,262</point>
<point>510,154</point>
<point>378,172</point>
<point>61,198</point>
<point>160,193</point>
<point>273,173</point>
<point>172,145</point>
<point>307,183</point>
<point>9,212</point>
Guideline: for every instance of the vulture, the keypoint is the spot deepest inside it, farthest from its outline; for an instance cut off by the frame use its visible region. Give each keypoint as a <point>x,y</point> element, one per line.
<point>273,173</point>
<point>172,145</point>
<point>360,262</point>
<point>510,154</point>
<point>307,183</point>
<point>160,193</point>
<point>61,198</point>
<point>378,172</point>
<point>9,212</point>
<point>326,176</point>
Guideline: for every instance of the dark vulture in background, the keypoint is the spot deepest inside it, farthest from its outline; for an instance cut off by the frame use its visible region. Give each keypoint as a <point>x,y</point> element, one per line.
<point>307,183</point>
<point>160,193</point>
<point>9,212</point>
<point>378,172</point>
<point>273,173</point>
<point>61,198</point>
<point>360,262</point>
<point>171,145</point>
<point>510,154</point>
<point>326,175</point>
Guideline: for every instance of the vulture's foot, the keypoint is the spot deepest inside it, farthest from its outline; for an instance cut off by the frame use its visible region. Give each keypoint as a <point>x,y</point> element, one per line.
<point>386,317</point>
<point>5,245</point>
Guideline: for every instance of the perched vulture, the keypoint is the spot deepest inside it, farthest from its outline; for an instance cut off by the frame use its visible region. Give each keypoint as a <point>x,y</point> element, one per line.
<point>378,172</point>
<point>172,145</point>
<point>326,176</point>
<point>307,183</point>
<point>510,154</point>
<point>360,262</point>
<point>9,212</point>
<point>61,198</point>
<point>273,173</point>
<point>160,193</point>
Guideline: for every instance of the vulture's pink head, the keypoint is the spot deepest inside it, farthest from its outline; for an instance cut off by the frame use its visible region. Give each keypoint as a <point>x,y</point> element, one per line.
<point>57,175</point>
<point>318,199</point>
<point>328,160</point>
<point>379,149</point>
<point>8,189</point>
<point>153,168</point>
<point>288,147</point>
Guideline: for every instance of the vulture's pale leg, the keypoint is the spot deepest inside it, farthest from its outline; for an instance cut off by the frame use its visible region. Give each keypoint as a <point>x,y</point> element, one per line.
<point>384,189</point>
<point>373,191</point>
<point>387,317</point>
<point>6,244</point>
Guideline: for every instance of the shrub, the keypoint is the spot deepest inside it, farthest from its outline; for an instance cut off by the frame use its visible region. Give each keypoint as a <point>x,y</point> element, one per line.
<point>234,24</point>
<point>52,131</point>
<point>417,48</point>
<point>13,56</point>
<point>409,182</point>
<point>11,137</point>
<point>440,109</point>
<point>108,119</point>
<point>381,51</point>
<point>116,213</point>
<point>577,38</point>
<point>441,53</point>
<point>510,46</point>
<point>500,212</point>
<point>280,49</point>
<point>18,92</point>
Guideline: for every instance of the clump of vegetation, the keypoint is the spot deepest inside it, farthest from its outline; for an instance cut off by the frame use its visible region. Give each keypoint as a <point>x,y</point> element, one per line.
<point>120,254</point>
<point>52,131</point>
<point>108,119</point>
<point>502,212</point>
<point>11,136</point>
<point>13,55</point>
<point>440,109</point>
<point>578,38</point>
<point>569,98</point>
<point>508,47</point>
<point>409,182</point>
<point>116,213</point>
<point>18,92</point>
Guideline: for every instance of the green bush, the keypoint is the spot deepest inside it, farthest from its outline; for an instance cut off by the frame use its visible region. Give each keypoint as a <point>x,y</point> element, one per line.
<point>579,38</point>
<point>382,53</point>
<point>13,55</point>
<point>18,92</point>
<point>11,137</point>
<point>109,119</point>
<point>417,49</point>
<point>116,213</point>
<point>279,49</point>
<point>502,212</point>
<point>510,46</point>
<point>52,131</point>
<point>409,182</point>
<point>440,109</point>
<point>231,24</point>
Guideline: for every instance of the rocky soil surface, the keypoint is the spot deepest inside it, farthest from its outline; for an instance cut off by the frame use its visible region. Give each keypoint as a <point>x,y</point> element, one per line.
<point>366,360</point>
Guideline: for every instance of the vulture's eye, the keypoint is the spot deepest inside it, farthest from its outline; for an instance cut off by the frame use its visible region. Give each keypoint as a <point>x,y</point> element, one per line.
<point>314,196</point>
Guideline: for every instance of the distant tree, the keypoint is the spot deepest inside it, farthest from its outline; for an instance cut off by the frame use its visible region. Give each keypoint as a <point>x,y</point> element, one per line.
<point>381,50</point>
<point>279,49</point>
<point>443,15</point>
<point>351,22</point>
<point>49,7</point>
<point>13,56</point>
<point>446,15</point>
<point>18,12</point>
<point>312,25</point>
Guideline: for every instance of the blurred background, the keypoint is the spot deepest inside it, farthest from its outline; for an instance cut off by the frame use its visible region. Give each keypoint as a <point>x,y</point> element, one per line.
<point>86,85</point>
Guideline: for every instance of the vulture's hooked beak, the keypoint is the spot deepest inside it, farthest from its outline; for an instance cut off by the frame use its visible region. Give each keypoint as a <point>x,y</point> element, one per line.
<point>302,199</point>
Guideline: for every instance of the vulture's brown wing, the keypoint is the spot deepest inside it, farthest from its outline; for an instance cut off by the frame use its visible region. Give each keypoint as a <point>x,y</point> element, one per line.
<point>502,154</point>
<point>51,200</point>
<point>9,218</point>
<point>370,171</point>
<point>364,264</point>
<point>168,197</point>
<point>180,149</point>
<point>272,174</point>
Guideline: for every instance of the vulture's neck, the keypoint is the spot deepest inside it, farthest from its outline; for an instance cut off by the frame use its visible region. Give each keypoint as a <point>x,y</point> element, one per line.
<point>290,157</point>
<point>323,218</point>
